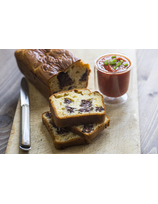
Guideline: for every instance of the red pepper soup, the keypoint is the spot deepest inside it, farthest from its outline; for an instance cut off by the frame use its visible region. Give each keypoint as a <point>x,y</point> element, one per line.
<point>113,72</point>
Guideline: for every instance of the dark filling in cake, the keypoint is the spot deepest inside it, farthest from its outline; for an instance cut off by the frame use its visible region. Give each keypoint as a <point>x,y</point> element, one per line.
<point>86,103</point>
<point>87,106</point>
<point>48,115</point>
<point>64,79</point>
<point>67,101</point>
<point>84,76</point>
<point>59,130</point>
<point>99,109</point>
<point>70,109</point>
<point>62,130</point>
<point>86,109</point>
<point>88,128</point>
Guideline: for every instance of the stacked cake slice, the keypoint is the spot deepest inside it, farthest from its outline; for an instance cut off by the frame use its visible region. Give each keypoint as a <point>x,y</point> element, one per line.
<point>75,117</point>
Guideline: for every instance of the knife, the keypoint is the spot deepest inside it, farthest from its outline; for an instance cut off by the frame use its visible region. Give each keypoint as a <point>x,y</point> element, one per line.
<point>25,140</point>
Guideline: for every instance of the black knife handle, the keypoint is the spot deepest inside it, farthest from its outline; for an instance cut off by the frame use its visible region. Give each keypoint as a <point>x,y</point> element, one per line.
<point>25,140</point>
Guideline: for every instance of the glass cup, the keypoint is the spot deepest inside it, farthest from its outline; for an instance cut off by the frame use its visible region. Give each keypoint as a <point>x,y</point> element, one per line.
<point>116,87</point>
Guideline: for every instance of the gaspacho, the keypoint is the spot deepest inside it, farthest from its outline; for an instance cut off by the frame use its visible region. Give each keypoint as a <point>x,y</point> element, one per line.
<point>113,72</point>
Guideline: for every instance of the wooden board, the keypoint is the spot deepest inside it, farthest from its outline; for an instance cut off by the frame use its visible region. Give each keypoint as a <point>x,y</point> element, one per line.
<point>122,137</point>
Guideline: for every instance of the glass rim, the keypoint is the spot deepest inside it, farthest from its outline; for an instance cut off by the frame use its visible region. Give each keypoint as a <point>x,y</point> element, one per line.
<point>113,73</point>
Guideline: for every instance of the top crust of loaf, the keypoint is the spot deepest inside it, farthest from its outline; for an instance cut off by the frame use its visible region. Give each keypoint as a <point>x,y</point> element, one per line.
<point>46,63</point>
<point>76,113</point>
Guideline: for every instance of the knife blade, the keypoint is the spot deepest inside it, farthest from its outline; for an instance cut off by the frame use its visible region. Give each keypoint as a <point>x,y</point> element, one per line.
<point>25,140</point>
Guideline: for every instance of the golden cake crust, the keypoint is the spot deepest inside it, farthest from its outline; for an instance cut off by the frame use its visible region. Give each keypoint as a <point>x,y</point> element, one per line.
<point>46,63</point>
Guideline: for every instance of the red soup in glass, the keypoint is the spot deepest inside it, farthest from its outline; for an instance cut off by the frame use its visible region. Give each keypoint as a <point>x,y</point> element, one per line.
<point>113,73</point>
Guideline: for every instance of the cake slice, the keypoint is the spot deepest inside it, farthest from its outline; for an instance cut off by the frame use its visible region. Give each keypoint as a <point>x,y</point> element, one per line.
<point>62,137</point>
<point>77,107</point>
<point>88,131</point>
<point>72,136</point>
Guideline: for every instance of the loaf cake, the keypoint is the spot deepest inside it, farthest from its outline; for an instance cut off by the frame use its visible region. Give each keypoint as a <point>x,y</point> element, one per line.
<point>77,107</point>
<point>88,131</point>
<point>62,137</point>
<point>52,70</point>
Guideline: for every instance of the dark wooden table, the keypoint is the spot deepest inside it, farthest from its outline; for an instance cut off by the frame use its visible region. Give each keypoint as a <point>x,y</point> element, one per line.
<point>147,63</point>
